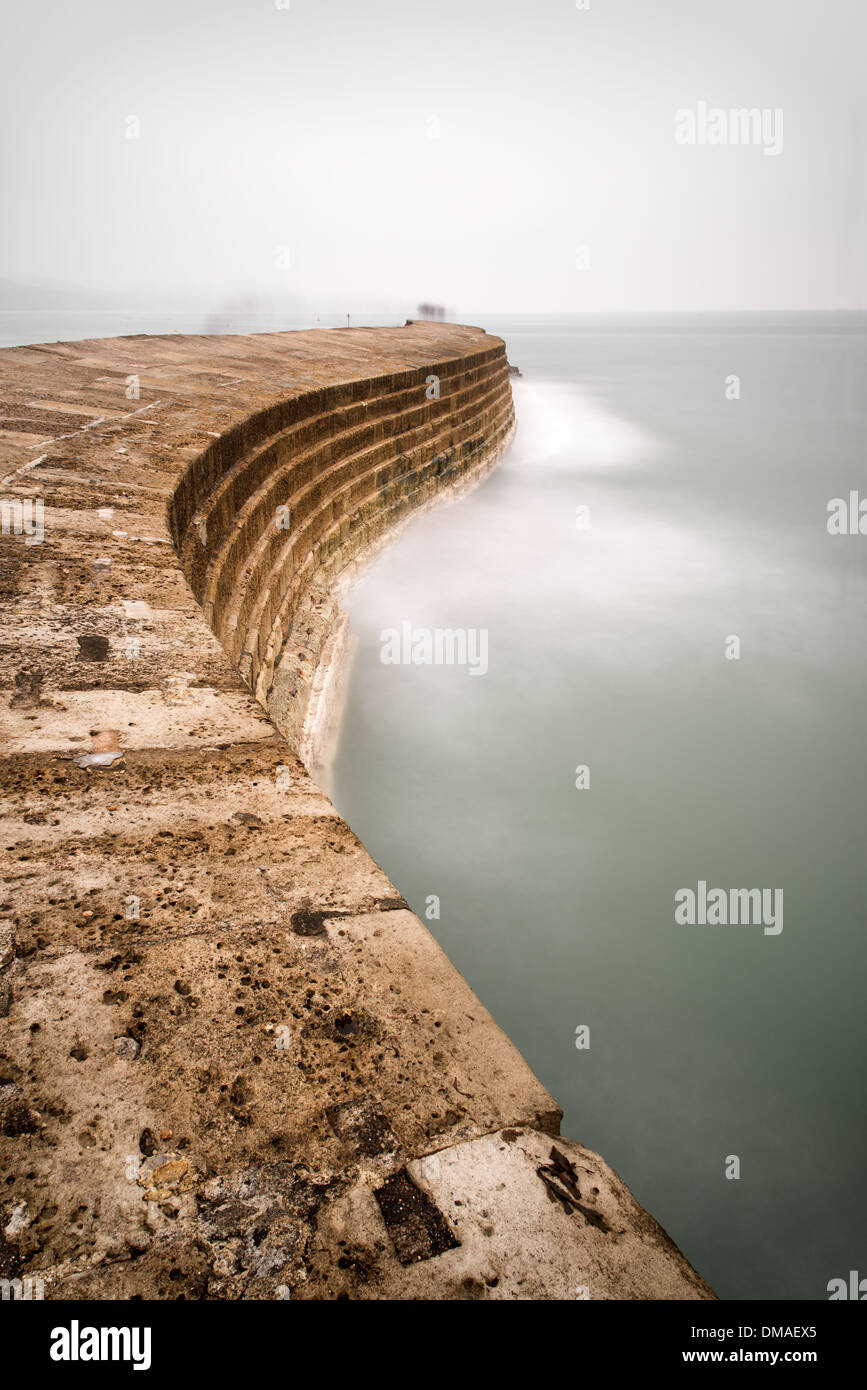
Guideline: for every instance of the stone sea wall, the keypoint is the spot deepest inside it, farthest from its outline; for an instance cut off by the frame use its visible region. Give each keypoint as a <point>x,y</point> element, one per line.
<point>233,1064</point>
<point>269,516</point>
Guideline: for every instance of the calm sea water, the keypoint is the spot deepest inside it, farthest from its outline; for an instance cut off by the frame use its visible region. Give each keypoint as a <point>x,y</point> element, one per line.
<point>607,648</point>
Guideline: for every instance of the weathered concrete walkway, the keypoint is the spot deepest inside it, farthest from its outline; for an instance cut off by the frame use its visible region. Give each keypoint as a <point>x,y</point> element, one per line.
<point>233,1063</point>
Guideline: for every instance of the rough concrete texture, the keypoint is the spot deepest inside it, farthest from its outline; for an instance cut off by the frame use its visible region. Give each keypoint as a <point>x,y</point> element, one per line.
<point>233,1064</point>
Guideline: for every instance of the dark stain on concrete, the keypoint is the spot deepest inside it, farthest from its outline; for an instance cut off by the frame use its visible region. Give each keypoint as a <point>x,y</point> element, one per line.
<point>362,1127</point>
<point>92,647</point>
<point>415,1224</point>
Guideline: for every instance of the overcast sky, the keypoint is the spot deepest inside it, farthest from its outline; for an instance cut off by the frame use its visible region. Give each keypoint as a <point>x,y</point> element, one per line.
<point>460,151</point>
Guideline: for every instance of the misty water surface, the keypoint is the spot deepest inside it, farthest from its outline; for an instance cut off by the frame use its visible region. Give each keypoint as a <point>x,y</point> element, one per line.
<point>607,648</point>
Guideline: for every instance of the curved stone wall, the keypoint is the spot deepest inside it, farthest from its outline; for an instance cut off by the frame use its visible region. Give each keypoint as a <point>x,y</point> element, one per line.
<point>267,518</point>
<point>233,1064</point>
